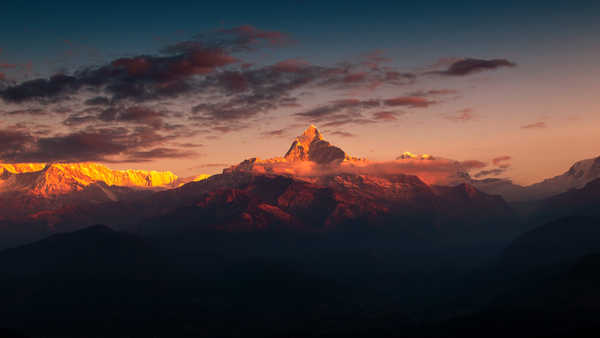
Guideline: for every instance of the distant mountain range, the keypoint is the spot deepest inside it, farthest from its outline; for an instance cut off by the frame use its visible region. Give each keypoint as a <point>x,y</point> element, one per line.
<point>314,187</point>
<point>580,174</point>
<point>33,190</point>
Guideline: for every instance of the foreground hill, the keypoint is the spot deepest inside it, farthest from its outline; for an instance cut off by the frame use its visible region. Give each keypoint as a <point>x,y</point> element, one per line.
<point>557,242</point>
<point>582,201</point>
<point>545,284</point>
<point>122,285</point>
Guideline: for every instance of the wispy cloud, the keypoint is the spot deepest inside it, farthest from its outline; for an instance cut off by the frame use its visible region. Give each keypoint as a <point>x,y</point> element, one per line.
<point>537,125</point>
<point>467,66</point>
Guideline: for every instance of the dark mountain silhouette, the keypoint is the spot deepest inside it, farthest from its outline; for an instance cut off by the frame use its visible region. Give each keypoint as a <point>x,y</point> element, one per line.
<point>557,242</point>
<point>562,304</point>
<point>99,282</point>
<point>92,273</point>
<point>581,201</point>
<point>8,333</point>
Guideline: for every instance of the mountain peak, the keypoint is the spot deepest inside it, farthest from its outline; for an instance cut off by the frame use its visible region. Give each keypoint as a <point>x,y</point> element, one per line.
<point>310,146</point>
<point>311,133</point>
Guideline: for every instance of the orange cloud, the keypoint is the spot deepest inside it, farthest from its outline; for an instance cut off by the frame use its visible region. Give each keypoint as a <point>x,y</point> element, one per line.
<point>462,116</point>
<point>537,125</point>
<point>438,171</point>
<point>498,160</point>
<point>473,164</point>
<point>409,101</point>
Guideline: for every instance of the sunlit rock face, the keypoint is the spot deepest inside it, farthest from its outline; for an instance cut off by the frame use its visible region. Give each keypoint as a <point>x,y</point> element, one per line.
<point>18,168</point>
<point>310,146</point>
<point>185,180</point>
<point>310,154</point>
<point>62,178</point>
<point>407,155</point>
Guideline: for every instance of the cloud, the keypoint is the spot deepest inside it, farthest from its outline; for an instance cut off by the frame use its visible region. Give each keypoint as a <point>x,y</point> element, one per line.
<point>463,115</point>
<point>500,159</point>
<point>537,125</point>
<point>342,134</point>
<point>233,81</point>
<point>134,114</point>
<point>97,101</point>
<point>354,77</point>
<point>104,112</point>
<point>434,92</point>
<point>247,36</point>
<point>248,93</point>
<point>239,108</point>
<point>80,146</point>
<point>349,111</point>
<point>469,66</point>
<point>78,119</point>
<point>236,39</point>
<point>291,66</point>
<point>501,166</point>
<point>156,153</point>
<point>375,58</point>
<point>344,120</point>
<point>392,76</point>
<point>340,112</point>
<point>211,165</point>
<point>12,142</point>
<point>272,133</point>
<point>337,106</point>
<point>490,172</point>
<point>201,73</point>
<point>251,91</point>
<point>189,145</point>
<point>92,144</point>
<point>408,101</point>
<point>140,77</point>
<point>438,171</point>
<point>385,115</point>
<point>473,164</point>
<point>27,111</point>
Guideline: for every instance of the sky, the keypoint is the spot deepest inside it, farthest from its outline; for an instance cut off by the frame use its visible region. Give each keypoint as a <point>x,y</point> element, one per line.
<point>193,88</point>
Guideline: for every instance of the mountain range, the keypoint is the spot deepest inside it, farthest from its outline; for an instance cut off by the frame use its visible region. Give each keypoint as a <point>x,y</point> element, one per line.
<point>313,243</point>
<point>314,187</point>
